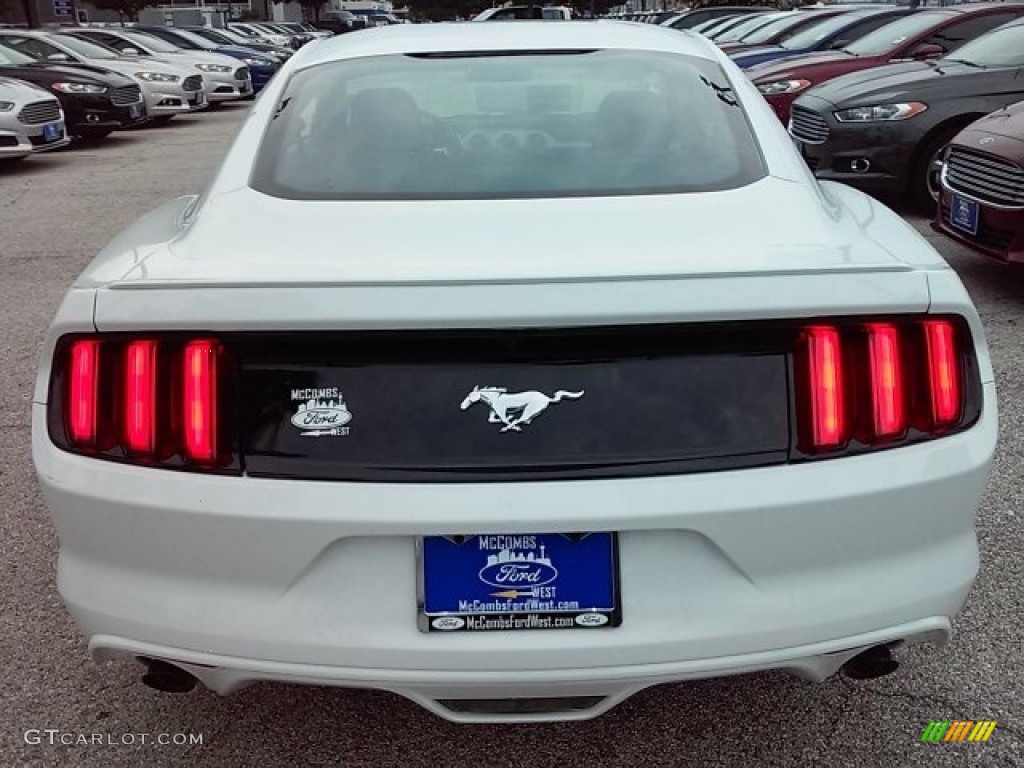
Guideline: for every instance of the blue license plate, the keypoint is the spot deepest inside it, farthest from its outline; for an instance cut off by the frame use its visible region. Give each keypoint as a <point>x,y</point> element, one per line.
<point>53,132</point>
<point>135,110</point>
<point>516,581</point>
<point>964,214</point>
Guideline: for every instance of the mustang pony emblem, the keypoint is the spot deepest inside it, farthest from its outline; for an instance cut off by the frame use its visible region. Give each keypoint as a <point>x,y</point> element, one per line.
<point>516,409</point>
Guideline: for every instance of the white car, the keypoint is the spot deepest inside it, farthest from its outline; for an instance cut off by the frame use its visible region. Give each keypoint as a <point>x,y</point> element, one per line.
<point>31,120</point>
<point>168,90</point>
<point>525,12</point>
<point>260,33</point>
<point>225,79</point>
<point>602,390</point>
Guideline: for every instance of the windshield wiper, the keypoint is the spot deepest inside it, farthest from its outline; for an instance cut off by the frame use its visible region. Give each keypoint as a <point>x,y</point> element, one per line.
<point>968,63</point>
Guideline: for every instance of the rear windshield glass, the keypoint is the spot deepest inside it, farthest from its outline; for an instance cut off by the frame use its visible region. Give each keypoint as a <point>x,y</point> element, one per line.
<point>497,126</point>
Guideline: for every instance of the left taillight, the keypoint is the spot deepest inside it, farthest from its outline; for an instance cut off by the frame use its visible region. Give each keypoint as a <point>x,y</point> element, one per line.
<point>145,400</point>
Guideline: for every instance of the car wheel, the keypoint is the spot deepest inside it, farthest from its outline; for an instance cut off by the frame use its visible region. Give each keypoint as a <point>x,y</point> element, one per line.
<point>925,184</point>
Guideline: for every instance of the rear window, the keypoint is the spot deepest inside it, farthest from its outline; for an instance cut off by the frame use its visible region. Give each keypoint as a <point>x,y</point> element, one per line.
<point>485,126</point>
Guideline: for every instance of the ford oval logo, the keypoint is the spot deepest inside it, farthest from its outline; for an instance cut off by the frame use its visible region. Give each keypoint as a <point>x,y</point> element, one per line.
<point>448,622</point>
<point>591,619</point>
<point>518,574</point>
<point>322,416</point>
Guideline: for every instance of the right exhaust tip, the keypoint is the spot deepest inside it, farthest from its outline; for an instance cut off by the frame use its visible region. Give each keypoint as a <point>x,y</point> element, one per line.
<point>167,678</point>
<point>876,661</point>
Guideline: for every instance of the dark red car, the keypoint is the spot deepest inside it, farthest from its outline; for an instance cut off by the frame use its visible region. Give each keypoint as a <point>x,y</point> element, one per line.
<point>926,34</point>
<point>982,198</point>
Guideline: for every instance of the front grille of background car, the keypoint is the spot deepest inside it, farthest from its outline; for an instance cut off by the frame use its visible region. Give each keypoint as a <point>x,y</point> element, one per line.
<point>40,112</point>
<point>125,95</point>
<point>987,178</point>
<point>242,73</point>
<point>807,125</point>
<point>193,83</point>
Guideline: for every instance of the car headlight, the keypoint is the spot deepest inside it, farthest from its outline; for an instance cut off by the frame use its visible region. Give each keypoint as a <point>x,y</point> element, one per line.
<point>78,88</point>
<point>253,62</point>
<point>783,86</point>
<point>157,77</point>
<point>213,68</point>
<point>877,113</point>
<point>6,106</point>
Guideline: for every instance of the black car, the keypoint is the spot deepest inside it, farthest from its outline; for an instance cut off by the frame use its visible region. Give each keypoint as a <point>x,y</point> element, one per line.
<point>95,101</point>
<point>883,130</point>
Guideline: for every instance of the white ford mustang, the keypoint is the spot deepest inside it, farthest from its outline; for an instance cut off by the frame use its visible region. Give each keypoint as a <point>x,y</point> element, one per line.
<point>514,369</point>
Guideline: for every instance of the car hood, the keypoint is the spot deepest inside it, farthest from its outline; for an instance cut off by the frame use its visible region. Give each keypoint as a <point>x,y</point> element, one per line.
<point>1000,133</point>
<point>76,73</point>
<point>810,65</point>
<point>19,91</point>
<point>129,66</point>
<point>237,50</point>
<point>910,79</point>
<point>244,237</point>
<point>188,59</point>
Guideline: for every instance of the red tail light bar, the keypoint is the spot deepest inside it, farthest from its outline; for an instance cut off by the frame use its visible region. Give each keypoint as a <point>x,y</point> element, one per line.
<point>156,401</point>
<point>868,384</point>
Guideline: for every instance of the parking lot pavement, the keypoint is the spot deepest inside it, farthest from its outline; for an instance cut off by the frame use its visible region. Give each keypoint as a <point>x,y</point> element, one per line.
<point>57,210</point>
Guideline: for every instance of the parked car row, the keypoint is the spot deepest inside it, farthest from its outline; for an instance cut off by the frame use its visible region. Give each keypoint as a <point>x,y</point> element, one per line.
<point>893,100</point>
<point>87,81</point>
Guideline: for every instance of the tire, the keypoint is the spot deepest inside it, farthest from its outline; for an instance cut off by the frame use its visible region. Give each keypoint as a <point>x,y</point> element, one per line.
<point>924,182</point>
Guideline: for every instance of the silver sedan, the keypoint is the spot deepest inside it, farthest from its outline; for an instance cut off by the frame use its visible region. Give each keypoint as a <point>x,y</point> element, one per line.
<point>167,89</point>
<point>31,120</point>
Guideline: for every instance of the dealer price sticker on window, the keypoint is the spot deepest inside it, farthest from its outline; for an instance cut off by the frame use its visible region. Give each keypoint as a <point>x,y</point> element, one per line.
<point>519,581</point>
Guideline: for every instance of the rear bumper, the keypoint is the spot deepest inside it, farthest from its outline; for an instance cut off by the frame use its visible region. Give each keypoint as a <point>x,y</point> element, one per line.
<point>721,572</point>
<point>441,693</point>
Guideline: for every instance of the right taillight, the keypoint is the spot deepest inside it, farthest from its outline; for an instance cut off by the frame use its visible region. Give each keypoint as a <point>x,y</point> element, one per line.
<point>153,401</point>
<point>861,385</point>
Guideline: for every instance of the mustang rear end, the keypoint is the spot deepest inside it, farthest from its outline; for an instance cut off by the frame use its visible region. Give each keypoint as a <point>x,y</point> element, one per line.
<point>587,402</point>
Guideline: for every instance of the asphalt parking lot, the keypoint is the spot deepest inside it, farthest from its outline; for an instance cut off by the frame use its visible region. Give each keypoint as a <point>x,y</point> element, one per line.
<point>58,209</point>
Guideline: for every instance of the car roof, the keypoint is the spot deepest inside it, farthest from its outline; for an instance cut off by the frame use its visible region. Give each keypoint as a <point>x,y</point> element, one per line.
<point>528,35</point>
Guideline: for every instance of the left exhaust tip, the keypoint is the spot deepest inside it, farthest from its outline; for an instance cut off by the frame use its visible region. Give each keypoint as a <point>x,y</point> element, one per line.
<point>168,678</point>
<point>876,661</point>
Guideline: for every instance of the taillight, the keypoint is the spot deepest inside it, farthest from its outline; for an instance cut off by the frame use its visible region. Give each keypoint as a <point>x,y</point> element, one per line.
<point>157,401</point>
<point>943,372</point>
<point>864,384</point>
<point>83,392</point>
<point>139,420</point>
<point>199,400</point>
<point>825,387</point>
<point>888,411</point>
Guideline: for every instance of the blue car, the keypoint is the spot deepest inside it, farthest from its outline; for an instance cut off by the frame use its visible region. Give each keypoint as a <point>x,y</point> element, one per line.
<point>261,66</point>
<point>828,34</point>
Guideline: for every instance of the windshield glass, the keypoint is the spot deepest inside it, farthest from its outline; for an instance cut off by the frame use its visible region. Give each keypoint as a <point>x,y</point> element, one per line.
<point>1003,47</point>
<point>751,24</point>
<point>815,33</point>
<point>193,38</point>
<point>87,49</point>
<point>892,36</point>
<point>767,32</point>
<point>12,58</point>
<point>151,43</point>
<point>482,127</point>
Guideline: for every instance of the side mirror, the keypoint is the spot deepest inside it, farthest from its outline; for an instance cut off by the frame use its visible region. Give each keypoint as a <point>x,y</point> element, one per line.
<point>58,57</point>
<point>130,51</point>
<point>839,44</point>
<point>927,51</point>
